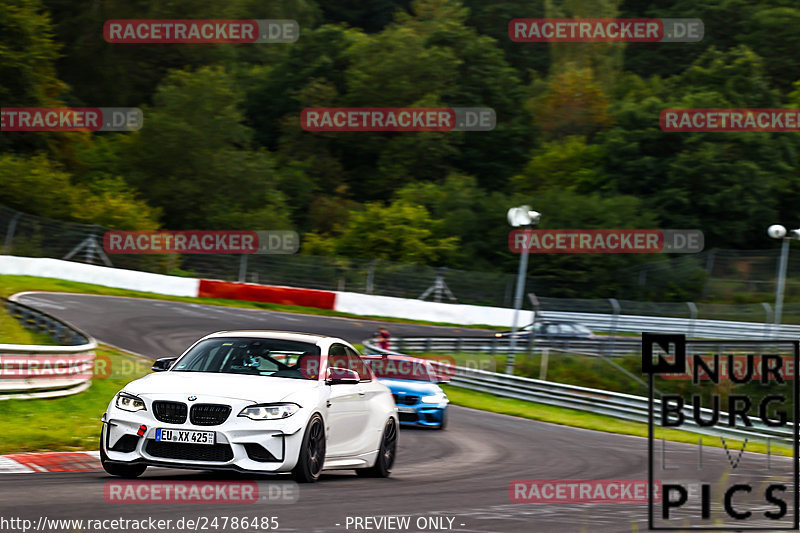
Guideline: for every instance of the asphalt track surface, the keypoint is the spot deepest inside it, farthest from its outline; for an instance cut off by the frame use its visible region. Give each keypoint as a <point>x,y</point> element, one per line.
<point>158,328</point>
<point>462,473</point>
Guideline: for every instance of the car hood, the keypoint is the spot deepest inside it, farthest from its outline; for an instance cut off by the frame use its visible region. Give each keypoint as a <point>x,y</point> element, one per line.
<point>237,386</point>
<point>409,385</point>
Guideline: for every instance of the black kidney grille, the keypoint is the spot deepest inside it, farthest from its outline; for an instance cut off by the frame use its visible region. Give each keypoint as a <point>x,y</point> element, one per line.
<point>217,453</point>
<point>170,412</point>
<point>405,400</point>
<point>209,414</point>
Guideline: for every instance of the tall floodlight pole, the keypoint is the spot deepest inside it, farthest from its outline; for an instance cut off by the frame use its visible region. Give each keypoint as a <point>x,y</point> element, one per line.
<point>776,231</point>
<point>519,217</point>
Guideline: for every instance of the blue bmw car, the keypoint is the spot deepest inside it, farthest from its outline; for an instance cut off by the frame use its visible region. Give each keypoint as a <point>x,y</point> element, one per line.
<point>414,385</point>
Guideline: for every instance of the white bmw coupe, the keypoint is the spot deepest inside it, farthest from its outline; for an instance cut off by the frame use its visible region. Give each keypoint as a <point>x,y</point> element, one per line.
<point>256,401</point>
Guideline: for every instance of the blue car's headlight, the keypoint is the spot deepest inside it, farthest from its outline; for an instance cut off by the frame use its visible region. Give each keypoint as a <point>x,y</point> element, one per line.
<point>439,397</point>
<point>129,402</point>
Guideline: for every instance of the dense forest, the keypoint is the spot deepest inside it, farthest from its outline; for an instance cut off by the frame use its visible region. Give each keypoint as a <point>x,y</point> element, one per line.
<point>577,134</point>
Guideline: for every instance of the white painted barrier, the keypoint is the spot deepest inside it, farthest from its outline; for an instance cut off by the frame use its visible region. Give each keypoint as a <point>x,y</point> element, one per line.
<point>98,275</point>
<point>388,306</point>
<point>346,302</point>
<point>30,371</point>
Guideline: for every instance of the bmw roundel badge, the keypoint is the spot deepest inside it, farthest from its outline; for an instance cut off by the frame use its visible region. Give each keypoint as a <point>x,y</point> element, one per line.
<point>192,398</point>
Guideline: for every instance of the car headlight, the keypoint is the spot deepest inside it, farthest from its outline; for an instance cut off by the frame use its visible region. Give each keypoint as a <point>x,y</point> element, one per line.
<point>439,397</point>
<point>129,402</point>
<point>270,411</point>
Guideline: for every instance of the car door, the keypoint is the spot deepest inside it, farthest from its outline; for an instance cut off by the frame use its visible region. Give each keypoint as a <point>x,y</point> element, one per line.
<point>347,409</point>
<point>374,395</point>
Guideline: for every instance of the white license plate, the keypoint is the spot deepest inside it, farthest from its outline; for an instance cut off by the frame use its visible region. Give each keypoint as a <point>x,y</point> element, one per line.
<point>185,435</point>
<point>405,409</point>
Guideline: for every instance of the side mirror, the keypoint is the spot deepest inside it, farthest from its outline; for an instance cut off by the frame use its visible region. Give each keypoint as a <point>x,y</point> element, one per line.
<point>337,376</point>
<point>163,364</point>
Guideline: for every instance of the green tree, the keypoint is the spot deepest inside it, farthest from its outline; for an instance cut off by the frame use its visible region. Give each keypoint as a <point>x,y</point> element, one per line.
<point>474,215</point>
<point>38,186</point>
<point>28,78</point>
<point>400,231</point>
<point>194,158</point>
<point>585,275</point>
<point>726,184</point>
<point>569,163</point>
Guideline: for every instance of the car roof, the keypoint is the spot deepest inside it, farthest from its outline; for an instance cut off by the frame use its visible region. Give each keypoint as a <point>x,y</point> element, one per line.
<point>279,335</point>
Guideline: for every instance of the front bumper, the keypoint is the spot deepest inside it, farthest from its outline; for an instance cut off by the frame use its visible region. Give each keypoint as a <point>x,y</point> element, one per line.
<point>423,414</point>
<point>240,443</point>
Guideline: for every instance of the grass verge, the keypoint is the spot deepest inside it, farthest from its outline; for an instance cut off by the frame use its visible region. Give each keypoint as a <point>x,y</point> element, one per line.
<point>12,331</point>
<point>68,423</point>
<point>581,419</point>
<point>12,284</point>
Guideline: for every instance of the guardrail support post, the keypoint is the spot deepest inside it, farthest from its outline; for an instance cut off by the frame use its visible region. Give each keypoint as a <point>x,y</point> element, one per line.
<point>243,268</point>
<point>340,276</point>
<point>767,319</point>
<point>12,227</point>
<point>692,319</point>
<point>370,286</point>
<point>543,364</point>
<point>615,307</point>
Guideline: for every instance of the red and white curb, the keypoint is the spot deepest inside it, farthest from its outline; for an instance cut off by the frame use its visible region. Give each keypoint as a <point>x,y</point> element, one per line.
<point>26,463</point>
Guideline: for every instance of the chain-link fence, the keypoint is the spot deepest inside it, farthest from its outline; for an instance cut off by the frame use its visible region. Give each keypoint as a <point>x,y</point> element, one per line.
<point>745,277</point>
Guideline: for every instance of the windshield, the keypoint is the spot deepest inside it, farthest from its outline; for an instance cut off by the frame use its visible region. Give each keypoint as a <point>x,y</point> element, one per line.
<point>253,357</point>
<point>402,369</point>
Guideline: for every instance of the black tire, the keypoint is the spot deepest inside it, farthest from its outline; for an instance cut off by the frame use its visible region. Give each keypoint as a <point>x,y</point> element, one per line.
<point>386,453</point>
<point>312,452</point>
<point>117,469</point>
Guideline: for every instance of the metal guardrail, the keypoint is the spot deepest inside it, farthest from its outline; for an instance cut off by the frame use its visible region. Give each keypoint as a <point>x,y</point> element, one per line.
<point>34,371</point>
<point>693,328</point>
<point>495,345</point>
<point>615,404</point>
<point>618,405</point>
<point>611,345</point>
